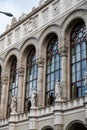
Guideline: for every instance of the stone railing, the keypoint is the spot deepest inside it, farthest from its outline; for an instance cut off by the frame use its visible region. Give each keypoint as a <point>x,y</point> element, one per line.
<point>73,103</point>
<point>44,111</point>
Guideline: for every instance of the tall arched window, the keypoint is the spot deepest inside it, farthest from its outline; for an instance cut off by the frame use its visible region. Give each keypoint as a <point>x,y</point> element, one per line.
<point>13,87</point>
<point>78,60</point>
<point>31,78</point>
<point>53,71</point>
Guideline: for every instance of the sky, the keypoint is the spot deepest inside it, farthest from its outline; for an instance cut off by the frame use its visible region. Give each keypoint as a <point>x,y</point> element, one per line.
<point>16,7</point>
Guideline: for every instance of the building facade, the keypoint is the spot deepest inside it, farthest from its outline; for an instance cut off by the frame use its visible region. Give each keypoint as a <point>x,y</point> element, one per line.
<point>43,60</point>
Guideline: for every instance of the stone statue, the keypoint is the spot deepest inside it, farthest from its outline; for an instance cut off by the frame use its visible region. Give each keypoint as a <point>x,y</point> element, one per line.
<point>58,91</point>
<point>13,105</point>
<point>33,98</point>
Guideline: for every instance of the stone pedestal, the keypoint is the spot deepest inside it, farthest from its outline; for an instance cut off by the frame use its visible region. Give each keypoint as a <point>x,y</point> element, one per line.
<point>40,62</point>
<point>58,115</point>
<point>33,119</point>
<point>12,122</point>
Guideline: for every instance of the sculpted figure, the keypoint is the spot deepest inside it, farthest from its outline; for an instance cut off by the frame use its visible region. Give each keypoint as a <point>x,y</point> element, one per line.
<point>13,105</point>
<point>33,98</point>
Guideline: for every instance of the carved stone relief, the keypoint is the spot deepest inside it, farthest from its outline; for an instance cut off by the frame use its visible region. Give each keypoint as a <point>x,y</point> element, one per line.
<point>9,39</point>
<point>17,34</point>
<point>45,15</point>
<point>56,8</point>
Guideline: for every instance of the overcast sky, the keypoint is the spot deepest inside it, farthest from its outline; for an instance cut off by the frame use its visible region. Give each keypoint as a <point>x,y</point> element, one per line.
<point>16,7</point>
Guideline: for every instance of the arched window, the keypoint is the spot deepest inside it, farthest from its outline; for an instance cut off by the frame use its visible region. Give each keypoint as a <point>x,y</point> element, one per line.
<point>78,60</point>
<point>53,71</point>
<point>31,78</point>
<point>13,87</point>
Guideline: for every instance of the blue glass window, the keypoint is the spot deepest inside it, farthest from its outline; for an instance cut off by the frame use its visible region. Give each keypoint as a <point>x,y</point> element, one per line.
<point>78,60</point>
<point>53,72</point>
<point>31,78</point>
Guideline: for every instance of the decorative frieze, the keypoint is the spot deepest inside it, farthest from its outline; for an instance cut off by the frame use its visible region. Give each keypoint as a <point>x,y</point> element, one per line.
<point>17,34</point>
<point>9,39</point>
<point>56,8</point>
<point>26,27</point>
<point>45,15</point>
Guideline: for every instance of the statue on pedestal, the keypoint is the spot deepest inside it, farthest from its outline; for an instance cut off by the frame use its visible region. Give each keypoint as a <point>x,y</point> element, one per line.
<point>58,91</point>
<point>13,105</point>
<point>33,98</point>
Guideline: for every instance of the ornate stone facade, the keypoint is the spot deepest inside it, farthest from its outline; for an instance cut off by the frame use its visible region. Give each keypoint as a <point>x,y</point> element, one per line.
<point>52,19</point>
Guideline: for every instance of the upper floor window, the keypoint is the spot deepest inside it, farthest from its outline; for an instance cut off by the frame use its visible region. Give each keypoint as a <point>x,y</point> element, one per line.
<point>53,71</point>
<point>31,78</point>
<point>13,87</point>
<point>78,60</point>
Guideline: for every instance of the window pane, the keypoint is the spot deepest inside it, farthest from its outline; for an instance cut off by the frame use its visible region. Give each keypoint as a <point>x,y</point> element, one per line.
<point>84,54</point>
<point>78,48</point>
<point>78,56</point>
<point>78,76</point>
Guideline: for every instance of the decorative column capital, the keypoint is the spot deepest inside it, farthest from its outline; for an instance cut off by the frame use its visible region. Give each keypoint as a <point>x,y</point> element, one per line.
<point>40,61</point>
<point>21,71</point>
<point>4,79</point>
<point>63,47</point>
<point>63,50</point>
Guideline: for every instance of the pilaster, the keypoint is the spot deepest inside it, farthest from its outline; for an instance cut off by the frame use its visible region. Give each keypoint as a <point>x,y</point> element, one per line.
<point>4,82</point>
<point>63,48</point>
<point>20,89</point>
<point>40,62</point>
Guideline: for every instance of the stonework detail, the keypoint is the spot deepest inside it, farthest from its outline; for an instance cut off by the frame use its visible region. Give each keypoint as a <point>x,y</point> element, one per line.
<point>17,34</point>
<point>40,62</point>
<point>26,27</point>
<point>21,71</point>
<point>2,44</point>
<point>56,8</point>
<point>45,15</point>
<point>9,39</point>
<point>35,22</point>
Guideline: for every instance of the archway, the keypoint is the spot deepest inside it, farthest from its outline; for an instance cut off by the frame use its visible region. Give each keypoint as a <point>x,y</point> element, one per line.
<point>77,126</point>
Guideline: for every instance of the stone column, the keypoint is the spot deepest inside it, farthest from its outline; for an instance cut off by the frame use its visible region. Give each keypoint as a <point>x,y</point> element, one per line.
<point>20,90</point>
<point>64,54</point>
<point>40,62</point>
<point>4,82</point>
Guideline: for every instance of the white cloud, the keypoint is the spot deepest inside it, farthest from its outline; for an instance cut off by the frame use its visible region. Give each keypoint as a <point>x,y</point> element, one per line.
<point>16,7</point>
